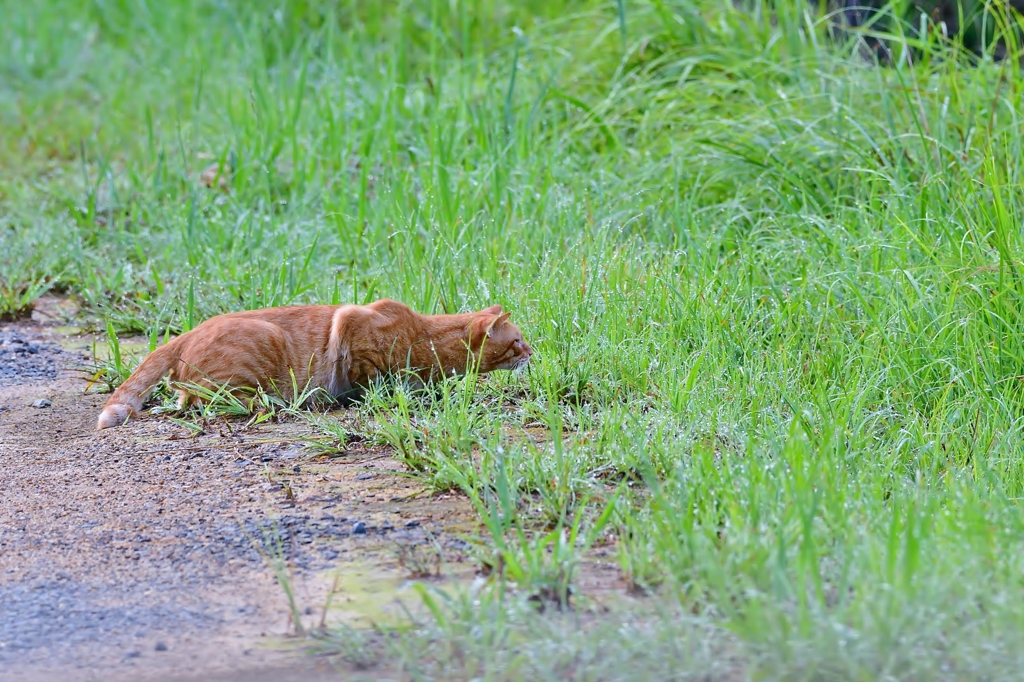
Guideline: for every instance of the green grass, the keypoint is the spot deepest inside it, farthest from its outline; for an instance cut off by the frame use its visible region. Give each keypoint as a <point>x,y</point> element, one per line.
<point>776,295</point>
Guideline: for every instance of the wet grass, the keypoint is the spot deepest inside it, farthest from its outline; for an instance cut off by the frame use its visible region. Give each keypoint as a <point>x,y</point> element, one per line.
<point>775,292</point>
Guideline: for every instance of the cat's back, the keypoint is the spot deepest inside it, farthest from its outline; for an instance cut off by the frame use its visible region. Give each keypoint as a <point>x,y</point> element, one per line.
<point>286,335</point>
<point>287,317</point>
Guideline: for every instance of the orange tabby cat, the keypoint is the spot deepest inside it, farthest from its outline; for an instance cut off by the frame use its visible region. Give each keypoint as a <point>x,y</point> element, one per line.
<point>337,348</point>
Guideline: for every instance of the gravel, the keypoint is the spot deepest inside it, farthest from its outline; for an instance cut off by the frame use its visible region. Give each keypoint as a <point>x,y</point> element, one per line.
<point>79,613</point>
<point>24,359</point>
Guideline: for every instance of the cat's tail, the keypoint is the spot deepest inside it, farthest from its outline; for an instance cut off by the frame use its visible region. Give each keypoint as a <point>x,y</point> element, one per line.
<point>128,398</point>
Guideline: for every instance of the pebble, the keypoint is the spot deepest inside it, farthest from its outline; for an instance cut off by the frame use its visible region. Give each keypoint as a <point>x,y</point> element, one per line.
<point>412,524</point>
<point>364,477</point>
<point>160,646</point>
<point>134,653</point>
<point>42,402</point>
<point>358,528</point>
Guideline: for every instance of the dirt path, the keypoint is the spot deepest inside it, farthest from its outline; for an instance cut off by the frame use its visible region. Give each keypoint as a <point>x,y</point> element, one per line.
<point>140,552</point>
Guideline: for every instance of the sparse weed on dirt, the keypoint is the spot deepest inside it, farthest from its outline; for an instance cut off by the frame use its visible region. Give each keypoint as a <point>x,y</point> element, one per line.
<point>775,291</point>
<point>420,560</point>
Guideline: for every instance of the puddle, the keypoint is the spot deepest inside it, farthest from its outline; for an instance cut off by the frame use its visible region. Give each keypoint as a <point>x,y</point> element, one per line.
<point>365,595</point>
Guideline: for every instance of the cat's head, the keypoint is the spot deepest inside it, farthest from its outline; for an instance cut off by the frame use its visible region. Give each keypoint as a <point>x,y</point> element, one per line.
<point>500,343</point>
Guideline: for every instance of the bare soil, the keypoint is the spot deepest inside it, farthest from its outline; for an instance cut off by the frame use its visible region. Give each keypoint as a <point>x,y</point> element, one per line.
<point>146,552</point>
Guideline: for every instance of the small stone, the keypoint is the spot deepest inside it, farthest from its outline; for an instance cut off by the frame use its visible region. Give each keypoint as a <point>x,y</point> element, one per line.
<point>215,177</point>
<point>412,524</point>
<point>358,528</point>
<point>296,469</point>
<point>364,477</point>
<point>160,646</point>
<point>42,402</point>
<point>134,653</point>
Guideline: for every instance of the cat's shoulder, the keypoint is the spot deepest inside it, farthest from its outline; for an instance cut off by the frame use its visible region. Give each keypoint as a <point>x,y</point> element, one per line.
<point>387,306</point>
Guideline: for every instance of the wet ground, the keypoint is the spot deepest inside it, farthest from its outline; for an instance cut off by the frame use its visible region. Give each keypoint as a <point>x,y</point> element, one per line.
<point>149,552</point>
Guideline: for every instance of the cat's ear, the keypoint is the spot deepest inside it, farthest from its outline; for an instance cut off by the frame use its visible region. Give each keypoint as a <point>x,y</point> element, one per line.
<point>493,310</point>
<point>479,330</point>
<point>497,322</point>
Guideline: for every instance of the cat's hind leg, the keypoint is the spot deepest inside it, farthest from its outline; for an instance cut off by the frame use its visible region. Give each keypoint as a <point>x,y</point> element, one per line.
<point>241,355</point>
